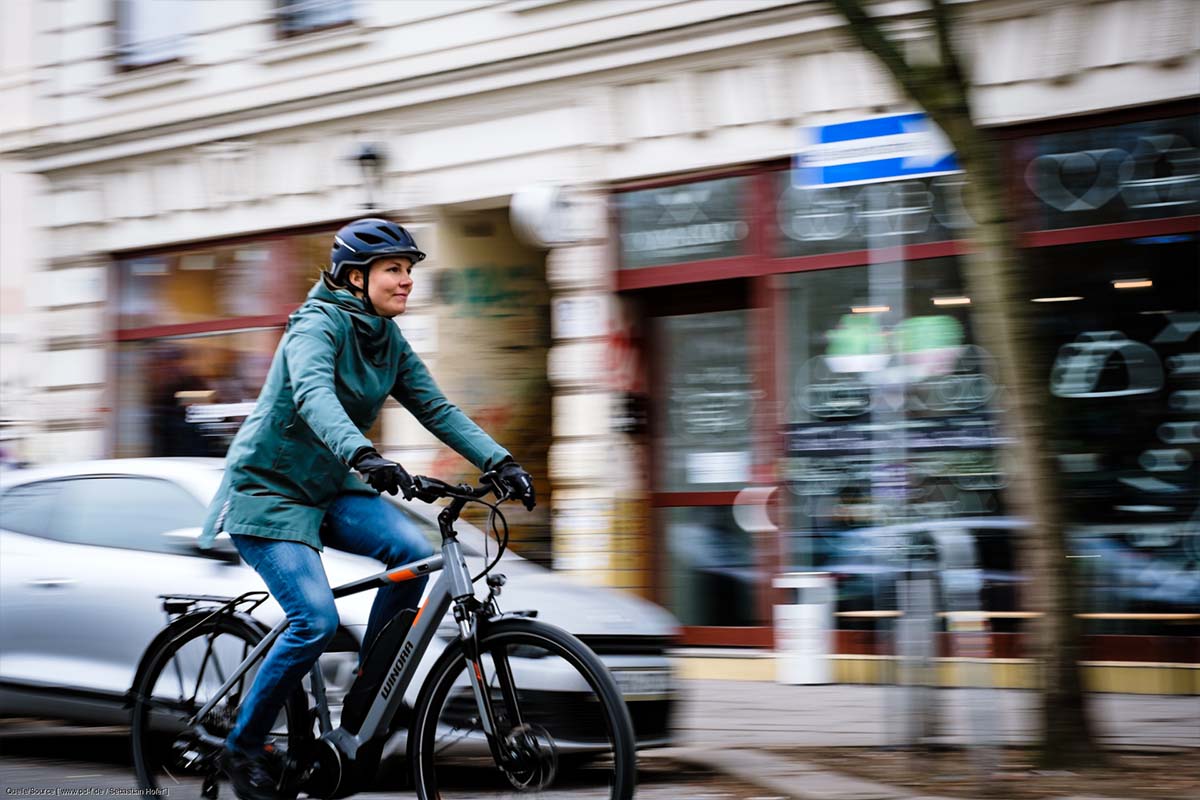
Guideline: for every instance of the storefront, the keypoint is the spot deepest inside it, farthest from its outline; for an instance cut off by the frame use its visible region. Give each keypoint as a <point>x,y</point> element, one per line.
<point>196,327</point>
<point>817,348</point>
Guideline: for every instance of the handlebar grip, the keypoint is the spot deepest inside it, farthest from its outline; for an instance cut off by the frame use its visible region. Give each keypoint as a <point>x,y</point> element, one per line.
<point>429,489</point>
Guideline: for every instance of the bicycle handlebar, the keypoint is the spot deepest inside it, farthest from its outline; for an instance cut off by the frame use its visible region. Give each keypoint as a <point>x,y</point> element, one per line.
<point>430,489</point>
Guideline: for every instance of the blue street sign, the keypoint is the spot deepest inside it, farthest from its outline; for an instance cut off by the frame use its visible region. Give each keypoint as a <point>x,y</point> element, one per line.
<point>871,151</point>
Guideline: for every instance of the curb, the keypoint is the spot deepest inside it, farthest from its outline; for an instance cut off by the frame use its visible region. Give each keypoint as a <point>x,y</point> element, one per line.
<point>794,780</point>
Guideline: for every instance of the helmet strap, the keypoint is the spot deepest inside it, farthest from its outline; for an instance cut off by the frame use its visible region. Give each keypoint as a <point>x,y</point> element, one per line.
<point>366,298</point>
<point>365,290</point>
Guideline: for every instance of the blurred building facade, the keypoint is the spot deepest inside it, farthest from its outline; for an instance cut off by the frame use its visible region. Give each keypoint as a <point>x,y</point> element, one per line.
<point>687,323</point>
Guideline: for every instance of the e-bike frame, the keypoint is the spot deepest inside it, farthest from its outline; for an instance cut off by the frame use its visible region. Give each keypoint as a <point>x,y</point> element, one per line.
<point>453,586</point>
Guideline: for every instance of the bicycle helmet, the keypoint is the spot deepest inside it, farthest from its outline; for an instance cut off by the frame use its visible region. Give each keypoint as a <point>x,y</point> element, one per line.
<point>360,242</point>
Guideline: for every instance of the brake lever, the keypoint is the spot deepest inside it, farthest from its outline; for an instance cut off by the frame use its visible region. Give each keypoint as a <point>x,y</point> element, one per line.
<point>498,489</point>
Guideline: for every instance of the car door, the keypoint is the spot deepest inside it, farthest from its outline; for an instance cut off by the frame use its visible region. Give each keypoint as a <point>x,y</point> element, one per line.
<point>31,573</point>
<point>112,561</point>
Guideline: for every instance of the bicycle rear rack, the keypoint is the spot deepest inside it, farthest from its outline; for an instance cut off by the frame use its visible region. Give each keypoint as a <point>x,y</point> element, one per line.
<point>177,604</point>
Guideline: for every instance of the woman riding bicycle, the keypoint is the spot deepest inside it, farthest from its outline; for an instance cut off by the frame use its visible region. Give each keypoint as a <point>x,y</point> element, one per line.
<point>288,488</point>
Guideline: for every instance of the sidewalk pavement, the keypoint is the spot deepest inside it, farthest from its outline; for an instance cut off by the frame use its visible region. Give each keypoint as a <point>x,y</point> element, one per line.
<point>740,728</point>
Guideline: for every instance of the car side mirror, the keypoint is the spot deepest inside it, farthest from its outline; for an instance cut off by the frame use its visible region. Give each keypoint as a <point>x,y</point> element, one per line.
<point>187,540</point>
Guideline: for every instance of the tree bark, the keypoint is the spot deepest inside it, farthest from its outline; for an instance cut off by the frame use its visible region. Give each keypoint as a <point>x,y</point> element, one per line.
<point>995,275</point>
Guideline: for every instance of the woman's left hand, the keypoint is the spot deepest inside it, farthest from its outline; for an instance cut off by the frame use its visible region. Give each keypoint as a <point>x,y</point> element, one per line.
<point>518,482</point>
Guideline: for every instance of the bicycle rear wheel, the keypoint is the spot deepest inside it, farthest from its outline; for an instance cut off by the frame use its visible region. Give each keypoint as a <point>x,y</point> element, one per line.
<point>562,727</point>
<point>181,676</point>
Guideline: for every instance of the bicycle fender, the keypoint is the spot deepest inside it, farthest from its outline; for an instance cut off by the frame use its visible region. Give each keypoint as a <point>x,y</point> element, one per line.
<point>177,627</point>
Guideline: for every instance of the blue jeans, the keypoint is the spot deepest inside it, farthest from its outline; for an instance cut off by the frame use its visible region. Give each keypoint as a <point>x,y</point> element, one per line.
<point>355,523</point>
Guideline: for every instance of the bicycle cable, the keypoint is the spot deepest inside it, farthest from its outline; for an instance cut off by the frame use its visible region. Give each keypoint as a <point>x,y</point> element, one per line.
<point>502,542</point>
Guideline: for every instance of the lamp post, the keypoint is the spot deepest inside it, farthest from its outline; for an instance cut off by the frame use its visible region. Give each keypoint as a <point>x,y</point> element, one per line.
<point>371,159</point>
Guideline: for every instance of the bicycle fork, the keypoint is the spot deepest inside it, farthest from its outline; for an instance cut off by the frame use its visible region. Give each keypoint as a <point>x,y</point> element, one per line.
<point>468,625</point>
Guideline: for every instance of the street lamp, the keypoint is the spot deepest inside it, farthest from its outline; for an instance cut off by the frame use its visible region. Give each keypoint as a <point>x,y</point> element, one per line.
<point>372,159</point>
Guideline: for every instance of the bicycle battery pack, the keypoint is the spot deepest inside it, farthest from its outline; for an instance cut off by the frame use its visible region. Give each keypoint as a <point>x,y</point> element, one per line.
<point>373,669</point>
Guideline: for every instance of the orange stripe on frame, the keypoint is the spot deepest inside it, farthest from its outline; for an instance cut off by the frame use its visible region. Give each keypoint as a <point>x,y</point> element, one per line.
<point>401,575</point>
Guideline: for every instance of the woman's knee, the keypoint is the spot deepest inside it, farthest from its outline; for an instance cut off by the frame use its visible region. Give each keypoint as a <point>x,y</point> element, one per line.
<point>405,546</point>
<point>422,548</point>
<point>318,625</point>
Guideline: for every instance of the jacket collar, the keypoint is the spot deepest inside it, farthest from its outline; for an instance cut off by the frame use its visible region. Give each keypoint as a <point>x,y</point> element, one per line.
<point>372,330</point>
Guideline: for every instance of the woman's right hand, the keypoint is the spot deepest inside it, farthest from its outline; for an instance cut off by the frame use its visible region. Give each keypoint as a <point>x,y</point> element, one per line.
<point>383,475</point>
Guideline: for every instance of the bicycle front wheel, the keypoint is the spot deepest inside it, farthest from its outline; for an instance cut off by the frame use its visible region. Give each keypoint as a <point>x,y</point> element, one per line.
<point>182,675</point>
<point>561,726</point>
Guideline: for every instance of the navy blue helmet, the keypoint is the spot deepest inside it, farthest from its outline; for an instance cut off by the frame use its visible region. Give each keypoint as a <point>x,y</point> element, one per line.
<point>360,242</point>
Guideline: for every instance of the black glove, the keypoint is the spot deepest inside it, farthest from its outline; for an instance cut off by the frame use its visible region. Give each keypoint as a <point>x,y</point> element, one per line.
<point>383,475</point>
<point>518,483</point>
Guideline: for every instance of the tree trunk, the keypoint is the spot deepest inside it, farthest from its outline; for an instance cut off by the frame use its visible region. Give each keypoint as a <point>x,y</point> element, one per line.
<point>995,274</point>
<point>1001,312</point>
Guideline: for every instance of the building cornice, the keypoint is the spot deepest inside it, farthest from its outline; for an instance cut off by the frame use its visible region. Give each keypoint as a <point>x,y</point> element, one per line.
<point>608,56</point>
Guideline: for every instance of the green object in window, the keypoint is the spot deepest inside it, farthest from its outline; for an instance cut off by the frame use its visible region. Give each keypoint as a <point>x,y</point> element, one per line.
<point>917,334</point>
<point>856,335</point>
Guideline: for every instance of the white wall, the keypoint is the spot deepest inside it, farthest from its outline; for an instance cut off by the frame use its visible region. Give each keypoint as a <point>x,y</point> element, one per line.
<point>18,203</point>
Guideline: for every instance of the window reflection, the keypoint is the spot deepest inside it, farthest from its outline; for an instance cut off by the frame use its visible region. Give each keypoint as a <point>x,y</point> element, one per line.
<point>892,422</point>
<point>203,284</point>
<point>711,401</point>
<point>892,407</point>
<point>95,511</point>
<point>1123,413</point>
<point>151,31</point>
<point>712,573</point>
<point>188,396</point>
<point>1141,170</point>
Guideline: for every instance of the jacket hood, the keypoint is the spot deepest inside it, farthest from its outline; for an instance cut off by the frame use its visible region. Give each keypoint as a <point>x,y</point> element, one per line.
<point>371,329</point>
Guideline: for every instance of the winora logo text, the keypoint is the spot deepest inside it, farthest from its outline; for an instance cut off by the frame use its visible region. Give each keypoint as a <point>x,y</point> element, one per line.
<point>392,677</point>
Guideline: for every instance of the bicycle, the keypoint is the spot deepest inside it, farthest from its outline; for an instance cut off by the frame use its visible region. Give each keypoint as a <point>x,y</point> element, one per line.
<point>512,705</point>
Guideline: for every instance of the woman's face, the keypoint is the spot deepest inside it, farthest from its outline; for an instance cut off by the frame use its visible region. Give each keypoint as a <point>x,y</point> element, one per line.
<point>390,284</point>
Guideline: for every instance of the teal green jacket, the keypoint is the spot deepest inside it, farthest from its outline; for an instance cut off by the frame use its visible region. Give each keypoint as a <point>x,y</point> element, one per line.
<point>331,374</point>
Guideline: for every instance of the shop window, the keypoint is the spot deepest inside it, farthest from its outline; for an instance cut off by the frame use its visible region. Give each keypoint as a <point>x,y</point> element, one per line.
<point>821,220</point>
<point>1120,349</point>
<point>1117,173</point>
<point>710,401</point>
<point>188,396</point>
<point>206,284</point>
<point>197,330</point>
<point>688,222</point>
<point>310,254</point>
<point>892,413</point>
<point>150,31</point>
<point>713,575</point>
<point>297,17</point>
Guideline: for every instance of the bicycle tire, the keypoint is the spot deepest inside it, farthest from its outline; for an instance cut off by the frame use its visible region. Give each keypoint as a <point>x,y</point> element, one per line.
<point>558,712</point>
<point>176,683</point>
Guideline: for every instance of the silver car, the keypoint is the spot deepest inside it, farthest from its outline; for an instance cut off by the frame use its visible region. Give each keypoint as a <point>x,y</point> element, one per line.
<point>86,550</point>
